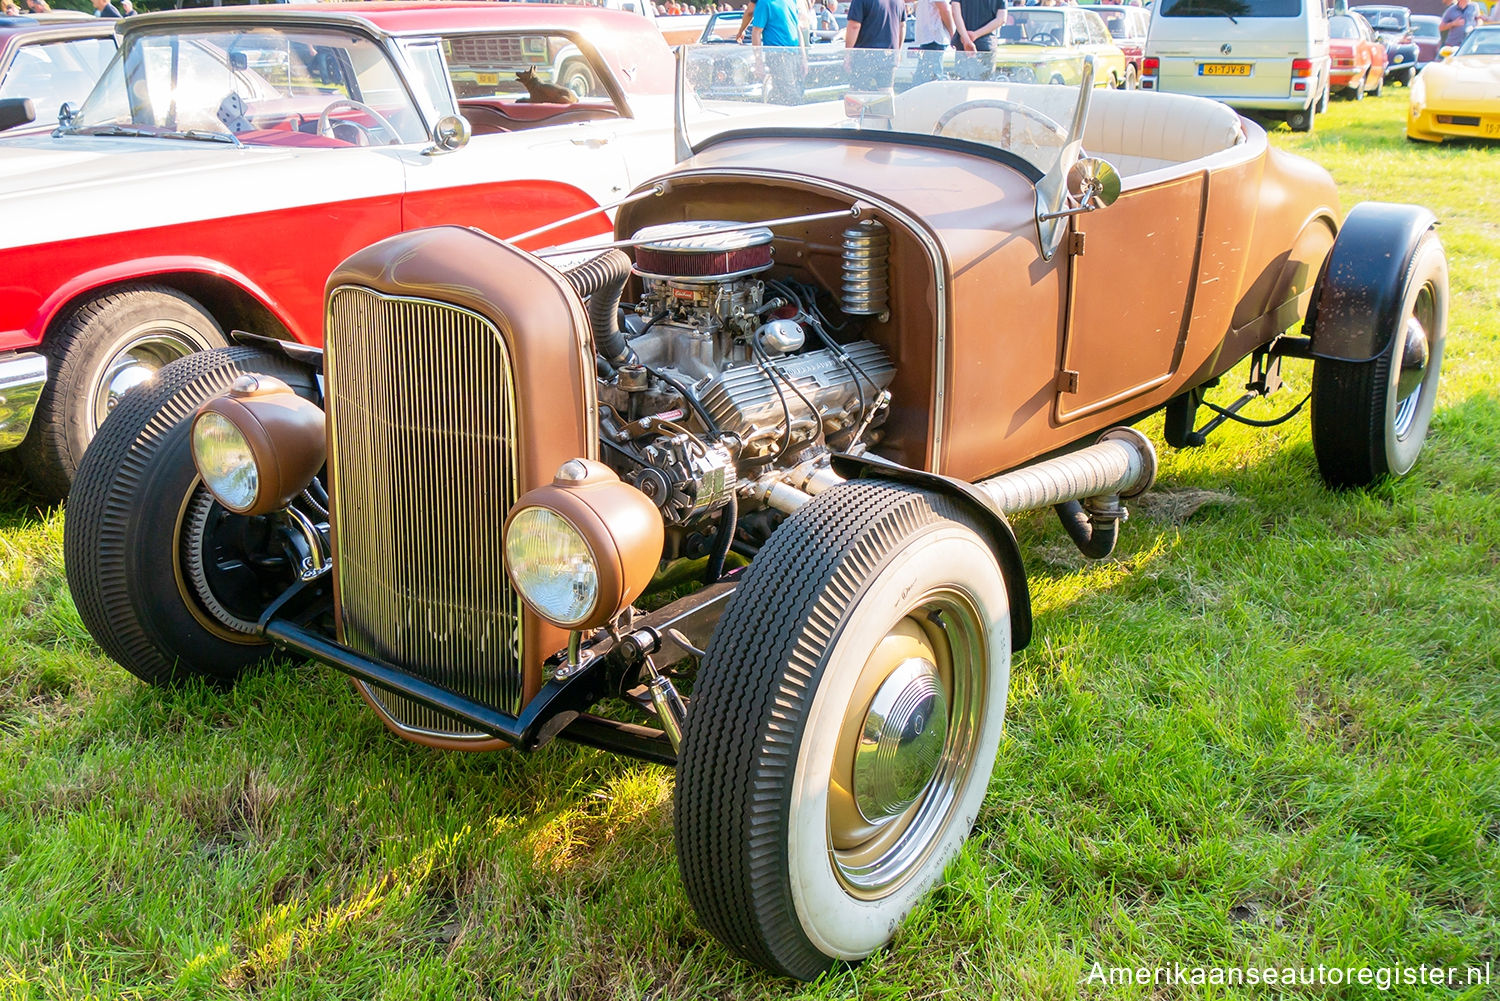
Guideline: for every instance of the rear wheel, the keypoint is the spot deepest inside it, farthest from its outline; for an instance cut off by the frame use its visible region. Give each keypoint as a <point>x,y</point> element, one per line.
<point>167,581</point>
<point>1379,84</point>
<point>1302,121</point>
<point>1370,418</point>
<point>844,726</point>
<point>1357,91</point>
<point>106,347</point>
<point>1132,77</point>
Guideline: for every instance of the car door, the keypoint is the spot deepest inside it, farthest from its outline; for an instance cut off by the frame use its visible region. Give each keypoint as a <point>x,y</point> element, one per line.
<point>531,159</point>
<point>1128,312</point>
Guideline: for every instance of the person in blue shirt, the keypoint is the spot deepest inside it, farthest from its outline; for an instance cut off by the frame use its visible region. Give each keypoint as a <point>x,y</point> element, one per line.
<point>775,25</point>
<point>1459,19</point>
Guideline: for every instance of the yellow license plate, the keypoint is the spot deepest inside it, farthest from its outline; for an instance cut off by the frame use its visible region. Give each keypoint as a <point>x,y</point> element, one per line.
<point>487,79</point>
<point>1224,69</point>
<point>1492,128</point>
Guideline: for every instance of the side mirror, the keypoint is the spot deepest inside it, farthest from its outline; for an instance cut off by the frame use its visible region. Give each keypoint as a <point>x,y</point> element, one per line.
<point>16,111</point>
<point>451,133</point>
<point>1094,183</point>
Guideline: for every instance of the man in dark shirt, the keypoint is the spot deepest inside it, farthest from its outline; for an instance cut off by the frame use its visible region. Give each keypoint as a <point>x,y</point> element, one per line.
<point>103,8</point>
<point>977,22</point>
<point>875,30</point>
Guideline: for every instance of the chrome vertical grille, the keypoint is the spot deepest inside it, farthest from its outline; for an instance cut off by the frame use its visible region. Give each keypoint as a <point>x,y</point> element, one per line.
<point>424,470</point>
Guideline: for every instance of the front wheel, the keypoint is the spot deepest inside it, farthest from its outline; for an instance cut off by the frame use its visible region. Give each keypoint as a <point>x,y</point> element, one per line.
<point>167,581</point>
<point>1132,77</point>
<point>106,347</point>
<point>844,726</point>
<point>1370,418</point>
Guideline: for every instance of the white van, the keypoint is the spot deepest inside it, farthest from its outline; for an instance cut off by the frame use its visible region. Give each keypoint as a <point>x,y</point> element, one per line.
<point>1255,55</point>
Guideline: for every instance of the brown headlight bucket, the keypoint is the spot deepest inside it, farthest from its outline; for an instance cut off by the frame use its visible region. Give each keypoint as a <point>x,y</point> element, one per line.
<point>621,526</point>
<point>285,433</point>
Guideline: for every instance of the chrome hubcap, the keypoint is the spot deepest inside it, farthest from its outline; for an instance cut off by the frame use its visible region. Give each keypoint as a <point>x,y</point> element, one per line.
<point>134,364</point>
<point>907,743</point>
<point>901,742</point>
<point>1411,373</point>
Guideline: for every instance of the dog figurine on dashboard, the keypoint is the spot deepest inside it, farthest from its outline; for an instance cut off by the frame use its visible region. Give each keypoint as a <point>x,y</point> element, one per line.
<point>544,93</point>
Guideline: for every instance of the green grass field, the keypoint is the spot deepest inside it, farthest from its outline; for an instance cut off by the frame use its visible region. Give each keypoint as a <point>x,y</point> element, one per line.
<point>1266,734</point>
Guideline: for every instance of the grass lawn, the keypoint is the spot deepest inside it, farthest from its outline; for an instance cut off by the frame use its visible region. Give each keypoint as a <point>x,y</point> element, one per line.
<point>1265,734</point>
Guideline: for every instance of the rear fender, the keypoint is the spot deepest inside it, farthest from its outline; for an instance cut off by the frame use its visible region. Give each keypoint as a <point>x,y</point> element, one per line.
<point>1356,305</point>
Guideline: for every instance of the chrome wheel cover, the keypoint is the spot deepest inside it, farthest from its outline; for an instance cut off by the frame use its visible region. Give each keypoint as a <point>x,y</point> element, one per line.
<point>153,347</point>
<point>907,743</point>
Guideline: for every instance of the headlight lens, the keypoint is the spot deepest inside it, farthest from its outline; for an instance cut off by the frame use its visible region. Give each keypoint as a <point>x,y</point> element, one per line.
<point>551,566</point>
<point>225,461</point>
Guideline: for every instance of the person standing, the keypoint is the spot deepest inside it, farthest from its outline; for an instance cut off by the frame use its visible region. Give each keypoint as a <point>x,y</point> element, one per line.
<point>935,29</point>
<point>103,8</point>
<point>976,22</point>
<point>776,26</point>
<point>1459,19</point>
<point>874,31</point>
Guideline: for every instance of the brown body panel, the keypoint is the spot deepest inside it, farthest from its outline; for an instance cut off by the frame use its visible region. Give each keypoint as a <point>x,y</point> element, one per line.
<point>547,332</point>
<point>1185,275</point>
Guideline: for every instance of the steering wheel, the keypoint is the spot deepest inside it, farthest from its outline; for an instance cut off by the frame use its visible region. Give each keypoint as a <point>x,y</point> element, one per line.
<point>1041,132</point>
<point>325,124</point>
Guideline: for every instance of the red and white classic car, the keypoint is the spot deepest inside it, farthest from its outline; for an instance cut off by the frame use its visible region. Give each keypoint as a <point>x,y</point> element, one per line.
<point>229,158</point>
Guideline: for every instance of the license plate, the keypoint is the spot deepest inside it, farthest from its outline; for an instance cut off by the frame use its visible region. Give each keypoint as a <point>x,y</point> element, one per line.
<point>1492,128</point>
<point>1223,69</point>
<point>487,79</point>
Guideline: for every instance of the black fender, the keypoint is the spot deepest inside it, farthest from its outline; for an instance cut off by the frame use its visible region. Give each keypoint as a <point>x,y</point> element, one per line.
<point>1356,307</point>
<point>1002,537</point>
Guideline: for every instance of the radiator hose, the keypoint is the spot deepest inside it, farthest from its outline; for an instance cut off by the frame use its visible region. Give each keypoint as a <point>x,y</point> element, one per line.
<point>601,281</point>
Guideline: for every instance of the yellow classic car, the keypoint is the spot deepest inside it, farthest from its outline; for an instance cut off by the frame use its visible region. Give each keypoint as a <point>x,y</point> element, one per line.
<point>1459,96</point>
<point>1048,45</point>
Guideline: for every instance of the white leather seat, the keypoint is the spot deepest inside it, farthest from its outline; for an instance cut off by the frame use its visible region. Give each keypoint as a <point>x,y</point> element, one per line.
<point>1137,131</point>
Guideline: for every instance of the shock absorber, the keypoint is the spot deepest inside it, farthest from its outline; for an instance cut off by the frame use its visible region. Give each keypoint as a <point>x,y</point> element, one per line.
<point>866,269</point>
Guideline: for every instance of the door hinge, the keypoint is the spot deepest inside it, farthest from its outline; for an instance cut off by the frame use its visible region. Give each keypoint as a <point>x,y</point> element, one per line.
<point>1075,244</point>
<point>1067,381</point>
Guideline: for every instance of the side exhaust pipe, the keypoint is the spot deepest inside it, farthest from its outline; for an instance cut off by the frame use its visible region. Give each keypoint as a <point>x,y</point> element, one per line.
<point>1086,487</point>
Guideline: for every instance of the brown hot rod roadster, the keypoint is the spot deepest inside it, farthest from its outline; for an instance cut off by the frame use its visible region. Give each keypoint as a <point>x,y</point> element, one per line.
<point>744,472</point>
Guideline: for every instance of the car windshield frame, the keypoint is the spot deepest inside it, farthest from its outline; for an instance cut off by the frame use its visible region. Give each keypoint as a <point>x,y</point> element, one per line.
<point>177,81</point>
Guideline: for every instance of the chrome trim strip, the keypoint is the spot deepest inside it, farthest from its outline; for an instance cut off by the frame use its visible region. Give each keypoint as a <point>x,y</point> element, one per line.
<point>23,375</point>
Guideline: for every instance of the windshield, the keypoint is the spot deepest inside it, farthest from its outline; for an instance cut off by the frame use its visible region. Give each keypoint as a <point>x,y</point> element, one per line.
<point>1481,42</point>
<point>260,85</point>
<point>1342,27</point>
<point>1425,27</point>
<point>879,90</point>
<point>53,72</point>
<point>1231,8</point>
<point>1384,18</point>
